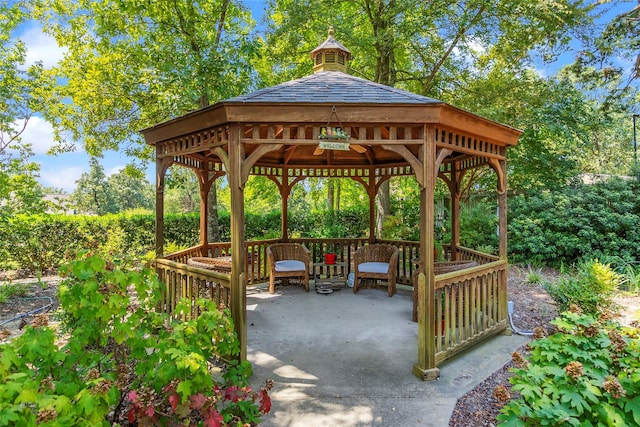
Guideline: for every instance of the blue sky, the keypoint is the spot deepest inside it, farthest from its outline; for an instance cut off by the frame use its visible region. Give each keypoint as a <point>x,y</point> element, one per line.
<point>63,170</point>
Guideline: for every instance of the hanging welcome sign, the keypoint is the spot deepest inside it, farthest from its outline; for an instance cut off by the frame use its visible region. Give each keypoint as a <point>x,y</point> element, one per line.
<point>333,137</point>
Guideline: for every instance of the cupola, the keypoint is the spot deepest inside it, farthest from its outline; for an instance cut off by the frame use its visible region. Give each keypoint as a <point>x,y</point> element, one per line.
<point>330,55</point>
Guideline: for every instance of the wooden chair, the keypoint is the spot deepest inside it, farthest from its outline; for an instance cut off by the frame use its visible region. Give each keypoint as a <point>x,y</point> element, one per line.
<point>377,262</point>
<point>288,260</point>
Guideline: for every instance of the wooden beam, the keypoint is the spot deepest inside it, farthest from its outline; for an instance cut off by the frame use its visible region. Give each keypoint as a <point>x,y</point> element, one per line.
<point>441,154</point>
<point>414,162</point>
<point>319,113</point>
<point>254,157</point>
<point>311,141</point>
<point>426,367</point>
<point>161,169</point>
<point>238,289</point>
<point>223,156</point>
<point>285,189</point>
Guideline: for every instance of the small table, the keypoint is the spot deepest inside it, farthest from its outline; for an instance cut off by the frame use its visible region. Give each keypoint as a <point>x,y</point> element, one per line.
<point>334,275</point>
<point>220,264</point>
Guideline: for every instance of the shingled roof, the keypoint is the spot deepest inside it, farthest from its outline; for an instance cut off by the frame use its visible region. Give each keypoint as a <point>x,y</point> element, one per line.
<point>332,87</point>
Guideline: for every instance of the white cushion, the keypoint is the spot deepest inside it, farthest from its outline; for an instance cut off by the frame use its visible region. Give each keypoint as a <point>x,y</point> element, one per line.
<point>374,267</point>
<point>289,265</point>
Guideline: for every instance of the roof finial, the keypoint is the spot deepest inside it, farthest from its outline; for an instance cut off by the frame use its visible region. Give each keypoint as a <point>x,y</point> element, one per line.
<point>330,55</point>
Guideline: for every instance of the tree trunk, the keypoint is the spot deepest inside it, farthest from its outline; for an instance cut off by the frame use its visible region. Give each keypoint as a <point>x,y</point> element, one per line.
<point>383,206</point>
<point>331,200</point>
<point>382,20</point>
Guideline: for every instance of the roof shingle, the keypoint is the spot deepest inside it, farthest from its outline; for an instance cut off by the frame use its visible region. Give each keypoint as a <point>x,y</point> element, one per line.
<point>333,87</point>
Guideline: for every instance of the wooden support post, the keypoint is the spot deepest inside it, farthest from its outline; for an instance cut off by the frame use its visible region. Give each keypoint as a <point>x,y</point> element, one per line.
<point>502,210</point>
<point>426,367</point>
<point>372,211</point>
<point>238,290</point>
<point>204,209</point>
<point>371,192</point>
<point>161,169</point>
<point>455,213</point>
<point>285,191</point>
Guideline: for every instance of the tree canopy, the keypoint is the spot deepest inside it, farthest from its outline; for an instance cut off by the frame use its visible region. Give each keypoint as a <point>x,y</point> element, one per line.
<point>98,194</point>
<point>129,65</point>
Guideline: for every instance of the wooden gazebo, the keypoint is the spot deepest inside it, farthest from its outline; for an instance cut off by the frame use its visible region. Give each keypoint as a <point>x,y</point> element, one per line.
<point>332,124</point>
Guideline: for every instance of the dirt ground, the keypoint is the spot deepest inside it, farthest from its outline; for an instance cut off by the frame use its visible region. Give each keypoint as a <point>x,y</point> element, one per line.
<point>532,307</point>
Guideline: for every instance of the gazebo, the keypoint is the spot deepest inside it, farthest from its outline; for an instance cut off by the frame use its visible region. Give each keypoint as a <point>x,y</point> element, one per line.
<point>332,124</point>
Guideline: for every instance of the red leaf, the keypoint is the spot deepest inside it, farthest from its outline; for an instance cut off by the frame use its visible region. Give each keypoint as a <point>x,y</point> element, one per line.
<point>265,402</point>
<point>150,410</point>
<point>174,399</point>
<point>213,418</point>
<point>233,394</point>
<point>133,396</point>
<point>197,401</point>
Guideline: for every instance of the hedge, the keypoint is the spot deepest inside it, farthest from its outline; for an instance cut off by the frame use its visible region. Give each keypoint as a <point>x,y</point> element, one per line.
<point>41,242</point>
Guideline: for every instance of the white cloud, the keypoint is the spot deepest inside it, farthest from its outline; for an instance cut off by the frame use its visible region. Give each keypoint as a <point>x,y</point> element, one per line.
<point>64,177</point>
<point>38,133</point>
<point>113,170</point>
<point>41,47</point>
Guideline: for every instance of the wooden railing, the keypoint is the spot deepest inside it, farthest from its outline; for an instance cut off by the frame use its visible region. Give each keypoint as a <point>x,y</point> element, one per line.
<point>184,281</point>
<point>470,305</point>
<point>470,255</point>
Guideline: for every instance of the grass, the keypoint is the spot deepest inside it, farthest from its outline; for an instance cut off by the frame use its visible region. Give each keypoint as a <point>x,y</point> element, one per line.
<point>10,290</point>
<point>630,280</point>
<point>535,277</point>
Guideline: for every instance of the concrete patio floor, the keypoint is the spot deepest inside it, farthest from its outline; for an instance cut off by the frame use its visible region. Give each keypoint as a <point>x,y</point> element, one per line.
<point>346,359</point>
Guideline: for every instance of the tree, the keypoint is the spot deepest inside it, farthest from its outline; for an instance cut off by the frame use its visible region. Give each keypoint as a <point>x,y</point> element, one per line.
<point>131,65</point>
<point>435,48</point>
<point>130,190</point>
<point>607,65</point>
<point>98,194</point>
<point>16,83</point>
<point>182,191</point>
<point>91,194</point>
<point>20,192</point>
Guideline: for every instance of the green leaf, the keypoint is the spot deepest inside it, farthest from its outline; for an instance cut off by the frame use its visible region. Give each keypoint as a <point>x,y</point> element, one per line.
<point>27,395</point>
<point>86,402</point>
<point>633,406</point>
<point>184,389</point>
<point>611,415</point>
<point>9,416</point>
<point>575,400</point>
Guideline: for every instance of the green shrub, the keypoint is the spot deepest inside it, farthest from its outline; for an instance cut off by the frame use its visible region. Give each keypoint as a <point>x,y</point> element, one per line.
<point>591,288</point>
<point>345,223</point>
<point>121,361</point>
<point>587,374</point>
<point>43,242</point>
<point>478,224</point>
<point>577,222</point>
